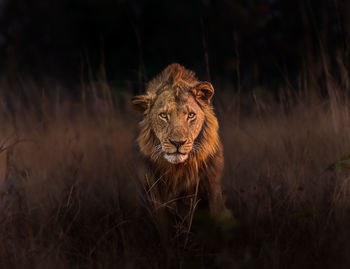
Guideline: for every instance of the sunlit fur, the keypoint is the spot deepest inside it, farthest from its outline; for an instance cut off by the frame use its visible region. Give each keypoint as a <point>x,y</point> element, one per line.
<point>178,174</point>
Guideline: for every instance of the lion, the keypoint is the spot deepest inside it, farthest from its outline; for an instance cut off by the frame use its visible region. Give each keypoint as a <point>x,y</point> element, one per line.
<point>179,136</point>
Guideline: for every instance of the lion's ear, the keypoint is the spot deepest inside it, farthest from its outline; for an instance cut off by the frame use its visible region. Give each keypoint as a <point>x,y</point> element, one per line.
<point>203,91</point>
<point>140,102</point>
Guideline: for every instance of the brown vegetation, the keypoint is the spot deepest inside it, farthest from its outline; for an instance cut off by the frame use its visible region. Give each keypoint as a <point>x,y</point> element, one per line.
<point>72,198</point>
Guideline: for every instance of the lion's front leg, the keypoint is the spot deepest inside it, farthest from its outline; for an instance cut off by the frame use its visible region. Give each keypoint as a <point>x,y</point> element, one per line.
<point>211,181</point>
<point>211,185</point>
<point>216,199</point>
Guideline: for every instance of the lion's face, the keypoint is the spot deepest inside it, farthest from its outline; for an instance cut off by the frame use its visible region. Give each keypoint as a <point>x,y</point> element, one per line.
<point>174,113</point>
<point>176,121</point>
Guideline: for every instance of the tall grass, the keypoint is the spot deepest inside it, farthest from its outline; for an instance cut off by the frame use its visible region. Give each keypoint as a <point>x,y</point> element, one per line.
<point>71,194</point>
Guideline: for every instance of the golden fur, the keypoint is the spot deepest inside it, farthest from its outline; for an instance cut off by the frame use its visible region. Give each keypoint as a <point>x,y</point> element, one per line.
<point>177,107</point>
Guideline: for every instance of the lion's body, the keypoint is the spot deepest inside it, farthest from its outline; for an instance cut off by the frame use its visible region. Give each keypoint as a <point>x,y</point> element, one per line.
<point>176,91</point>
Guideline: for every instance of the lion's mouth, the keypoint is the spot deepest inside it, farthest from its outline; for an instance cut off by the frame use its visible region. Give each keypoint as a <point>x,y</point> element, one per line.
<point>176,157</point>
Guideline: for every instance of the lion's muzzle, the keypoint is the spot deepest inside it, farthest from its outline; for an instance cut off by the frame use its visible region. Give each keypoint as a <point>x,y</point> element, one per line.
<point>176,151</point>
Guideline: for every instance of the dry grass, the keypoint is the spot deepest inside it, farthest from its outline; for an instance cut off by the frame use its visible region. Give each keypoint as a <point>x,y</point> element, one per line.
<point>72,197</point>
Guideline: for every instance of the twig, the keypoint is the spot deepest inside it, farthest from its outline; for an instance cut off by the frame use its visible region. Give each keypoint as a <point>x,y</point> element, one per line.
<point>2,148</point>
<point>194,203</point>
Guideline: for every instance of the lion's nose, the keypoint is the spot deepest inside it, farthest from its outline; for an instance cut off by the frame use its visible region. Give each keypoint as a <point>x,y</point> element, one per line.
<point>177,144</point>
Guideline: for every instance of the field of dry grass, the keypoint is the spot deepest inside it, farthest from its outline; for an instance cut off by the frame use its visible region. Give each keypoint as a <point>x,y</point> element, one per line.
<point>71,198</point>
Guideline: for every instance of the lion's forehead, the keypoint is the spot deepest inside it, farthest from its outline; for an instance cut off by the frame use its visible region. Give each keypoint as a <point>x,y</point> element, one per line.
<point>170,101</point>
<point>165,100</point>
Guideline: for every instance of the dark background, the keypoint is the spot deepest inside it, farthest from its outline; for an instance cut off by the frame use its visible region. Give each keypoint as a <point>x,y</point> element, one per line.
<point>248,43</point>
<point>70,169</point>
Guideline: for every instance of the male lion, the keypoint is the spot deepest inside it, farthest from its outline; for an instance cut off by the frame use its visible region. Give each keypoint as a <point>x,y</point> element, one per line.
<point>179,136</point>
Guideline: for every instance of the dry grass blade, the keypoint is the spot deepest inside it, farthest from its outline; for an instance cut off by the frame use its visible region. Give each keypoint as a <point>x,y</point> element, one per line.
<point>81,205</point>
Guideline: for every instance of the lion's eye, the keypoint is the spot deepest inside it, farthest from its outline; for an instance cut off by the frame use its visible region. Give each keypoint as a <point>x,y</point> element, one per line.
<point>191,115</point>
<point>163,115</point>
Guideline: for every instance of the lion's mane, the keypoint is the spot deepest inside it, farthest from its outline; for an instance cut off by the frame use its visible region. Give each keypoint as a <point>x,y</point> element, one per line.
<point>206,160</point>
